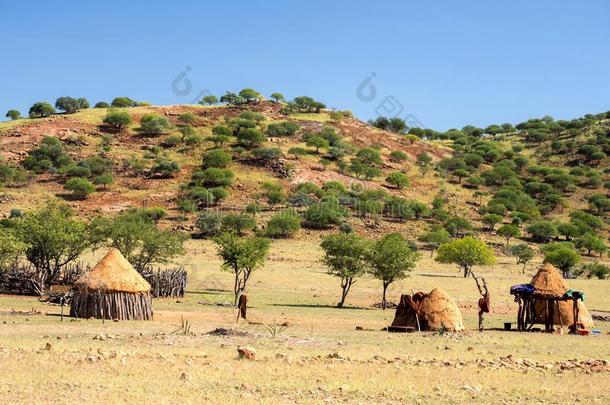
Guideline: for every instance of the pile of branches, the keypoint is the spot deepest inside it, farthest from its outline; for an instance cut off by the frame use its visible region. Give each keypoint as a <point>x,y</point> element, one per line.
<point>25,279</point>
<point>166,283</point>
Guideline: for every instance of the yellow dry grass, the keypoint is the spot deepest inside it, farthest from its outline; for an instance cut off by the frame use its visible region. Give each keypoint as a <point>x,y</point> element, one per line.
<point>319,357</point>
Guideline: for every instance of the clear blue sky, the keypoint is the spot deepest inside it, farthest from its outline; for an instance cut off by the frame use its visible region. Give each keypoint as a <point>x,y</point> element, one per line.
<point>449,63</point>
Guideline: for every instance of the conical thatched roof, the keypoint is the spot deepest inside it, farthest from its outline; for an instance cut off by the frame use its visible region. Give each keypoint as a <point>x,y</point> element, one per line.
<point>440,310</point>
<point>548,281</point>
<point>113,274</point>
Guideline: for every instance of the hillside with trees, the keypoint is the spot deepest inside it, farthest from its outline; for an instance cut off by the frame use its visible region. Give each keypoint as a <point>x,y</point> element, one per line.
<point>295,169</point>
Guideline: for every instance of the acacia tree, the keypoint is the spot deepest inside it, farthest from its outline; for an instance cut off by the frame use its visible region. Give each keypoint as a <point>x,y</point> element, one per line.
<point>509,231</point>
<point>435,238</point>
<point>466,252</point>
<point>241,256</point>
<point>391,259</point>
<point>135,234</point>
<point>54,239</point>
<point>346,256</point>
<point>522,253</point>
<point>13,115</point>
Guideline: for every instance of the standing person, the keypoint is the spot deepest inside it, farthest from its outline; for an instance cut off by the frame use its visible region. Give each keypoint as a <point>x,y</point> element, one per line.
<point>242,305</point>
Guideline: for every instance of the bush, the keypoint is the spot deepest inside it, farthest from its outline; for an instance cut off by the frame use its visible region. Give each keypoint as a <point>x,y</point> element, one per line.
<point>49,155</point>
<point>101,104</point>
<point>398,179</point>
<point>542,231</point>
<point>209,224</point>
<point>153,124</point>
<point>213,177</point>
<point>80,187</point>
<point>193,140</point>
<point>250,138</point>
<point>117,119</point>
<point>216,158</point>
<point>283,225</point>
<point>266,154</point>
<point>222,130</point>
<point>398,156</point>
<point>324,214</point>
<point>164,168</point>
<point>597,270</point>
<point>172,141</point>
<point>282,129</point>
<point>70,105</point>
<point>238,223</point>
<point>297,151</point>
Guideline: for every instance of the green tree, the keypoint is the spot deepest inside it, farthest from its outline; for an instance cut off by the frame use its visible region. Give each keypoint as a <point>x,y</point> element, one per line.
<point>80,187</point>
<point>164,168</point>
<point>466,252</point>
<point>317,142</point>
<point>591,243</point>
<point>122,102</point>
<point>250,138</point>
<point>13,115</point>
<point>391,258</point>
<point>153,124</point>
<point>103,180</point>
<point>283,224</point>
<point>278,97</point>
<point>435,238</point>
<point>398,180</point>
<point>398,156</point>
<point>216,158</point>
<point>423,160</point>
<point>242,256</point>
<point>509,231</point>
<point>67,104</point>
<point>346,256</point>
<point>117,119</point>
<point>135,234</point>
<point>54,239</point>
<point>563,257</point>
<point>542,231</point>
<point>523,253</point>
<point>250,95</point>
<point>491,220</point>
<point>101,104</point>
<point>41,109</point>
<point>11,248</point>
<point>209,100</point>
<point>239,224</point>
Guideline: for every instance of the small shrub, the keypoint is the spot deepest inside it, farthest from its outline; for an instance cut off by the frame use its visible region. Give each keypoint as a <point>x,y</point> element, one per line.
<point>164,168</point>
<point>80,187</point>
<point>283,225</point>
<point>172,141</point>
<point>213,177</point>
<point>216,158</point>
<point>117,120</point>
<point>153,124</point>
<point>209,224</point>
<point>238,223</point>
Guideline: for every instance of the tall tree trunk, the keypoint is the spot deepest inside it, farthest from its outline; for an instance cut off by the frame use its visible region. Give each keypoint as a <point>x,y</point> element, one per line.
<point>384,301</point>
<point>466,271</point>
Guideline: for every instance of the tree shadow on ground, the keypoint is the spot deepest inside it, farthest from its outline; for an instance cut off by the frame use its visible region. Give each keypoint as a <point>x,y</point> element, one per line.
<point>318,306</point>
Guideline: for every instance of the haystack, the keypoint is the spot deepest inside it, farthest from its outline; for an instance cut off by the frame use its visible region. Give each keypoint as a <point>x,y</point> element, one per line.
<point>430,312</point>
<point>113,289</point>
<point>549,284</point>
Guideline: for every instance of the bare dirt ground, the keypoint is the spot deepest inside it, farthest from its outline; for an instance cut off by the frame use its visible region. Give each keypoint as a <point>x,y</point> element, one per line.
<point>321,354</point>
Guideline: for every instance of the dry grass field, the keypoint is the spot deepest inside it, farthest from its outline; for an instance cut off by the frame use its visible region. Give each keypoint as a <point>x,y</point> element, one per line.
<point>324,354</point>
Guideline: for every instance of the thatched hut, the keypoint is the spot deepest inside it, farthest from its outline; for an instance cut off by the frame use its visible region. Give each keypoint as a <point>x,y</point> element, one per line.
<point>113,289</point>
<point>548,301</point>
<point>427,312</point>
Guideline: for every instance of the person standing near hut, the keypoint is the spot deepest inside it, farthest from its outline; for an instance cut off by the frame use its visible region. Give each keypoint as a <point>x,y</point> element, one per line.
<point>242,305</point>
